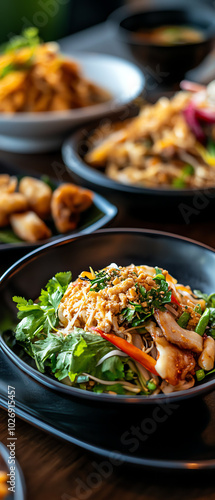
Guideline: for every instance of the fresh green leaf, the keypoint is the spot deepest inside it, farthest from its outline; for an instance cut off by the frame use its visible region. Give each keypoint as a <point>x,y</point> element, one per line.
<point>201,295</point>
<point>79,349</point>
<point>142,291</point>
<point>45,348</point>
<point>8,236</point>
<point>209,299</point>
<point>141,319</point>
<point>43,315</point>
<point>128,314</point>
<point>28,38</point>
<point>111,369</point>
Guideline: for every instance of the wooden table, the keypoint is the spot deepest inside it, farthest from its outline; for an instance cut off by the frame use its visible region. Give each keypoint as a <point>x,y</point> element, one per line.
<point>58,471</point>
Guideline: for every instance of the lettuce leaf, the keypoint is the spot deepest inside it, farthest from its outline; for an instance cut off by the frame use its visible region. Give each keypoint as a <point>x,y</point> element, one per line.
<point>68,355</point>
<point>74,354</point>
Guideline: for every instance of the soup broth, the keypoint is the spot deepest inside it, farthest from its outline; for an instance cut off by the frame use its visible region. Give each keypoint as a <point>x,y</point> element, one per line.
<point>170,35</point>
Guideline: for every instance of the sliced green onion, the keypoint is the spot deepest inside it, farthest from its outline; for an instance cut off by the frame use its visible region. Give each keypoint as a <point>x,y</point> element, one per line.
<point>209,373</point>
<point>159,277</point>
<point>151,386</point>
<point>183,320</point>
<point>200,375</point>
<point>203,322</point>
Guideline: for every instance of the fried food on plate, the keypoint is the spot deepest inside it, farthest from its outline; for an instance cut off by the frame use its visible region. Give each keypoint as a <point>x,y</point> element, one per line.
<point>8,183</point>
<point>37,201</point>
<point>38,194</point>
<point>9,204</point>
<point>68,201</point>
<point>29,227</point>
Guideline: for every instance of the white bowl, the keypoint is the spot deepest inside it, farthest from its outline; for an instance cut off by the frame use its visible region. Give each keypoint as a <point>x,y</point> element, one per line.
<point>45,131</point>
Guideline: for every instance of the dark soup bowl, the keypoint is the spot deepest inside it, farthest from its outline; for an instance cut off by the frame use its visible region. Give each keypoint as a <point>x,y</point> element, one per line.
<point>166,62</point>
<point>104,420</point>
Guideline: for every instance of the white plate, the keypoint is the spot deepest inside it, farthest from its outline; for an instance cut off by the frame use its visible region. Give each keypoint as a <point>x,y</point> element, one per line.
<point>45,131</point>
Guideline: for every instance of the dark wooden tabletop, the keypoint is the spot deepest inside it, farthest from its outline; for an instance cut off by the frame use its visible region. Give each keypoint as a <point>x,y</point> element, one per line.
<point>55,470</point>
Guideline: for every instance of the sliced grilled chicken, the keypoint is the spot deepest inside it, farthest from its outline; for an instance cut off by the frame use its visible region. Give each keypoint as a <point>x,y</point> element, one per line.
<point>173,364</point>
<point>207,357</point>
<point>185,339</point>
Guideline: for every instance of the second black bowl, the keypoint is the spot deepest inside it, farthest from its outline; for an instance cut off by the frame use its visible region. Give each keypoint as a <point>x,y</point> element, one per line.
<point>166,63</point>
<point>183,205</point>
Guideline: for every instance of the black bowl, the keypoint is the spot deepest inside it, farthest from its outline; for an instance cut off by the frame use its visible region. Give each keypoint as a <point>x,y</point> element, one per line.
<point>166,63</point>
<point>173,204</point>
<point>190,262</point>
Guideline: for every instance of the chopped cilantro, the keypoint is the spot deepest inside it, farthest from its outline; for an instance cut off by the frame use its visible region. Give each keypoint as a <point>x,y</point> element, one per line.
<point>136,314</point>
<point>100,281</point>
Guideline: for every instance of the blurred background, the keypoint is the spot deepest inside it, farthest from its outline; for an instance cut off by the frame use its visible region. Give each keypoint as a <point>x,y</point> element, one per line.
<point>54,18</point>
<point>58,18</point>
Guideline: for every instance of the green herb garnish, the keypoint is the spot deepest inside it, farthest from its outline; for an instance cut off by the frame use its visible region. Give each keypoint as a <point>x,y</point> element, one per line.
<point>28,38</point>
<point>100,281</point>
<point>187,171</point>
<point>137,313</point>
<point>41,317</point>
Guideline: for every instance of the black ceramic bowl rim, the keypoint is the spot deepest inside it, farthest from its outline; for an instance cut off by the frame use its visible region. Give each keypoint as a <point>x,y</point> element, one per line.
<point>79,167</point>
<point>124,13</point>
<point>53,384</point>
